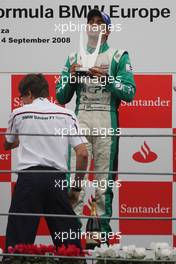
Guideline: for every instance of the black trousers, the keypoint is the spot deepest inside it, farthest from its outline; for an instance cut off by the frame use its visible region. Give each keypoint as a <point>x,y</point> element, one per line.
<point>38,193</point>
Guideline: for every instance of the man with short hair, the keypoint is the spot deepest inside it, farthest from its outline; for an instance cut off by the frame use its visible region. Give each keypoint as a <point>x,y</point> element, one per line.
<point>97,105</point>
<point>43,192</point>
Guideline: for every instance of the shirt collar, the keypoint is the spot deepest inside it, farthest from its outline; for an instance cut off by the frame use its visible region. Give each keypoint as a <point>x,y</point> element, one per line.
<point>104,47</point>
<point>39,100</point>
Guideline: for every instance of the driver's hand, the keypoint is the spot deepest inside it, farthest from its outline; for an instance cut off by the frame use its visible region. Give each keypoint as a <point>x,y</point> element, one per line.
<point>97,71</point>
<point>73,197</point>
<point>73,68</point>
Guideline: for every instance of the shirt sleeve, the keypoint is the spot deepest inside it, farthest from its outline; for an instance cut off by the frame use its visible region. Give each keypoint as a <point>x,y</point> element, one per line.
<point>11,129</point>
<point>123,87</point>
<point>65,90</point>
<point>74,129</point>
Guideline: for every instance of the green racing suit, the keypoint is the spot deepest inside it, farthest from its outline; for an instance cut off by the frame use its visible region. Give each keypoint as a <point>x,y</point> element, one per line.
<point>97,107</point>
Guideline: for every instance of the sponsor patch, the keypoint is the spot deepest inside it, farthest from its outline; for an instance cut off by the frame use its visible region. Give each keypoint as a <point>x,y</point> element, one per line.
<point>65,69</point>
<point>118,85</point>
<point>128,68</point>
<point>72,58</point>
<point>117,56</point>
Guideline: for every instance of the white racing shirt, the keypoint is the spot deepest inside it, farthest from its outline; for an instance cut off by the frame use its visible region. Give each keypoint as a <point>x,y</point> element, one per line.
<point>43,117</point>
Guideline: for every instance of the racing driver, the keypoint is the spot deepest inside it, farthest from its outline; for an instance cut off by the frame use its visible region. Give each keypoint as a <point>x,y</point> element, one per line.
<point>97,107</point>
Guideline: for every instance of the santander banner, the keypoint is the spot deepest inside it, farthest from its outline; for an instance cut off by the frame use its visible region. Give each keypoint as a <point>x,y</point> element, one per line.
<point>145,199</point>
<point>5,160</point>
<point>153,101</point>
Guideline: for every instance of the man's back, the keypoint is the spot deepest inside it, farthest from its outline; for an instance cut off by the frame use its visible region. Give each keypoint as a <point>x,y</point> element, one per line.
<point>43,117</point>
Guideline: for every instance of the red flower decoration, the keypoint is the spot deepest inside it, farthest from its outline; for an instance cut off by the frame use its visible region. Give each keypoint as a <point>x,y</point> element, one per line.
<point>31,249</point>
<point>72,250</point>
<point>10,250</point>
<point>61,251</point>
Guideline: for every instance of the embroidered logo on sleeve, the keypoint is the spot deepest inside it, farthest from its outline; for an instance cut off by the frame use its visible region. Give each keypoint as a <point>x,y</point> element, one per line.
<point>128,68</point>
<point>65,69</point>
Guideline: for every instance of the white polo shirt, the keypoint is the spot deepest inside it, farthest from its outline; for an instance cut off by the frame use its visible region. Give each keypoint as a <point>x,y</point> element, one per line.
<point>43,117</point>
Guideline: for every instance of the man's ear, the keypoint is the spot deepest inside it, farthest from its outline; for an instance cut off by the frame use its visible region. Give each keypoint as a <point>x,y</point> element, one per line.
<point>30,94</point>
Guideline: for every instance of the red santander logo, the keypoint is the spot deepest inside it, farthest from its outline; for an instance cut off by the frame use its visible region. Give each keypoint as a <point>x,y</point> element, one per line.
<point>145,155</point>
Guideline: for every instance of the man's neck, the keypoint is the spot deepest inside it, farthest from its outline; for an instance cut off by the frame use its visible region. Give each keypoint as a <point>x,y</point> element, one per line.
<point>104,46</point>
